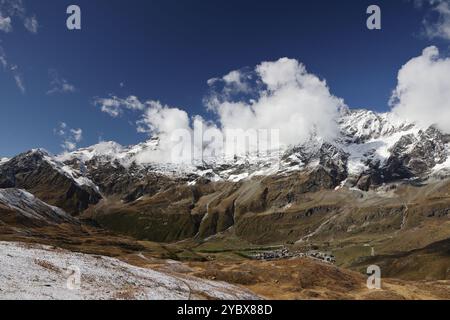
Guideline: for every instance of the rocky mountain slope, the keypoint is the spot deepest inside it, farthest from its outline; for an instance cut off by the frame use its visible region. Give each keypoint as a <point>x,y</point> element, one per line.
<point>24,208</point>
<point>42,175</point>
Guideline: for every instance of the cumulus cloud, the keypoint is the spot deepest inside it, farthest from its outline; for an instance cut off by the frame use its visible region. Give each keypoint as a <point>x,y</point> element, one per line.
<point>58,84</point>
<point>164,122</point>
<point>235,81</point>
<point>156,120</point>
<point>276,96</point>
<point>287,98</point>
<point>422,94</point>
<point>70,137</point>
<point>159,119</point>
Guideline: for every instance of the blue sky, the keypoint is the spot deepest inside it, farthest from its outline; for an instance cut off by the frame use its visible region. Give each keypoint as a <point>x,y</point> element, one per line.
<point>166,50</point>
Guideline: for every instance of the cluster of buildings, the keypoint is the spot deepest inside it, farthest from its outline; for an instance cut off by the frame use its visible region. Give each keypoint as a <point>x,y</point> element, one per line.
<point>287,254</point>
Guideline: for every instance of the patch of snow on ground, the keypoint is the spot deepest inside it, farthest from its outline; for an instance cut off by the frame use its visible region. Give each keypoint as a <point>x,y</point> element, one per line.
<point>42,273</point>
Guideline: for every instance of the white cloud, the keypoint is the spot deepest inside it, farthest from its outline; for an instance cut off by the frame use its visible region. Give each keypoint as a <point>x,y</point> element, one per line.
<point>71,137</point>
<point>58,84</point>
<point>114,105</point>
<point>163,121</point>
<point>14,69</point>
<point>285,97</point>
<point>156,120</point>
<point>291,100</point>
<point>68,145</point>
<point>423,90</point>
<point>5,24</point>
<point>77,134</point>
<point>31,24</point>
<point>10,9</point>
<point>18,78</point>
<point>237,81</point>
<point>111,106</point>
<point>13,7</point>
<point>437,21</point>
<point>281,73</point>
<point>61,130</point>
<point>159,119</point>
<point>3,59</point>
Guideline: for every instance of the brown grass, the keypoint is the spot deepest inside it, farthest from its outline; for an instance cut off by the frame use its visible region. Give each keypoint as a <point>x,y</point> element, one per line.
<point>47,265</point>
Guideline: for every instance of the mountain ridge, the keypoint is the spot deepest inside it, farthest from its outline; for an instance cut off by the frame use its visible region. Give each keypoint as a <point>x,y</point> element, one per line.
<point>371,149</point>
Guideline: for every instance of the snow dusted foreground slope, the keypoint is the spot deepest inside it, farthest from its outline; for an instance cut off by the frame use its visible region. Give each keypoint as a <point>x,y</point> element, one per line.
<point>40,272</point>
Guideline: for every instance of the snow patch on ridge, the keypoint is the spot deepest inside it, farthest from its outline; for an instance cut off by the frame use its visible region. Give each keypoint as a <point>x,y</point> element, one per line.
<point>65,170</point>
<point>373,150</point>
<point>31,207</point>
<point>444,167</point>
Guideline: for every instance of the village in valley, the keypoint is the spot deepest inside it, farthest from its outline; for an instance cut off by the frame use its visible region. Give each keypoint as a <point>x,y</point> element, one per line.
<point>285,253</point>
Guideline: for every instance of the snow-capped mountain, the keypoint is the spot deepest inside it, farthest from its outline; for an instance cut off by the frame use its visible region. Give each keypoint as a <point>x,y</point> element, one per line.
<point>109,184</point>
<point>370,149</point>
<point>360,126</point>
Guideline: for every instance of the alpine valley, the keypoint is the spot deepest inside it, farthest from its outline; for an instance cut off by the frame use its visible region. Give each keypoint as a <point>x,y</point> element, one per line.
<point>303,224</point>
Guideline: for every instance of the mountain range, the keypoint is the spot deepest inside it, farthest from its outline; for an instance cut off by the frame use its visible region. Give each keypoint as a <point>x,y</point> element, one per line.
<point>379,193</point>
